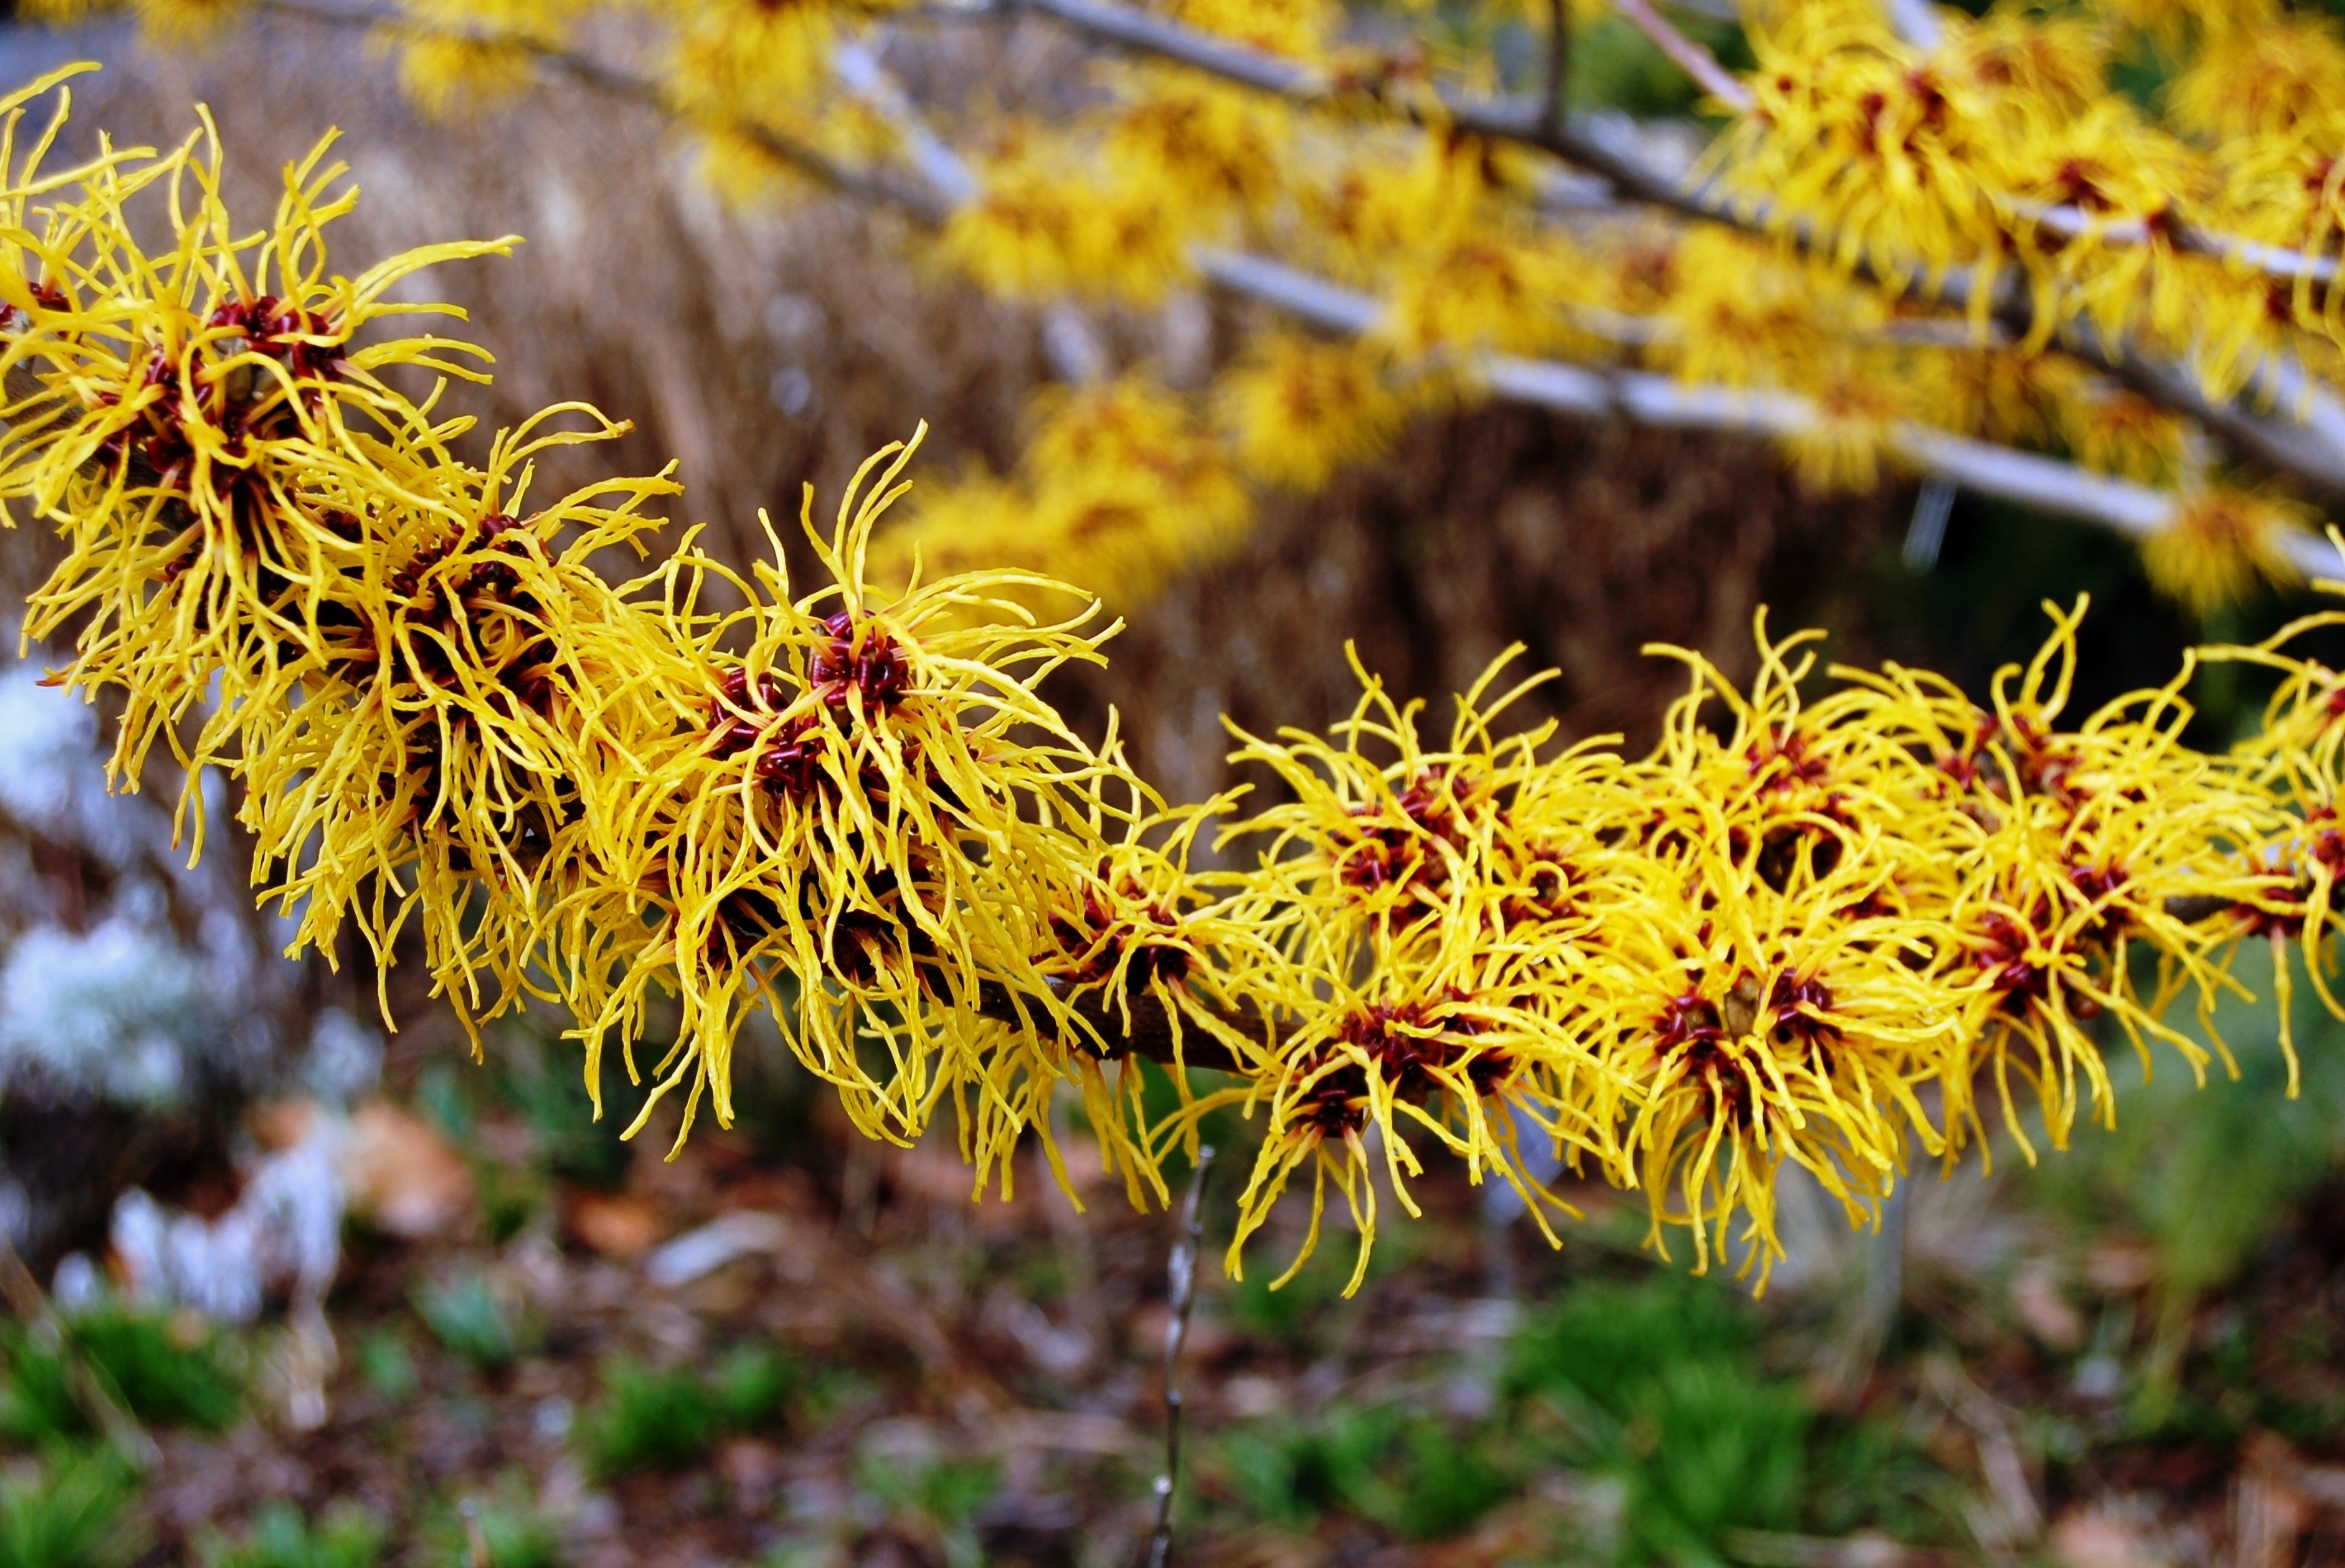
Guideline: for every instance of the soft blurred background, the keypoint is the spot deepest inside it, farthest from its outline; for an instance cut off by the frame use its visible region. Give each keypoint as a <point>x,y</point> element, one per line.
<point>366,1299</point>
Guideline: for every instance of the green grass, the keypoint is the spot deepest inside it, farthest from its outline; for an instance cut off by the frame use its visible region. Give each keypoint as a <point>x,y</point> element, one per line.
<point>1709,1447</point>
<point>444,1093</point>
<point>1419,1476</point>
<point>1603,1339</point>
<point>67,1511</point>
<point>465,1316</point>
<point>542,1082</point>
<point>1867,1474</point>
<point>385,1365</point>
<point>1654,1382</point>
<point>516,1534</point>
<point>1287,1316</point>
<point>37,1402</point>
<point>165,1371</point>
<point>508,1199</point>
<point>1660,1384</point>
<point>168,1371</point>
<point>343,1536</point>
<point>753,1386</point>
<point>668,1419</point>
<point>1310,1308</point>
<point>649,1419</point>
<point>934,1496</point>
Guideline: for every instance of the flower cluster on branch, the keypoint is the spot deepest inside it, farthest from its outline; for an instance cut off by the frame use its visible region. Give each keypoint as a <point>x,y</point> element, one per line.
<point>1841,924</point>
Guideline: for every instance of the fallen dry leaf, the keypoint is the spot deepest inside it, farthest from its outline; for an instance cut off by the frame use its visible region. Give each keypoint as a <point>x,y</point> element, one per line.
<point>2045,1312</point>
<point>279,1125</point>
<point>2104,1538</point>
<point>617,1225</point>
<point>2119,1267</point>
<point>402,1177</point>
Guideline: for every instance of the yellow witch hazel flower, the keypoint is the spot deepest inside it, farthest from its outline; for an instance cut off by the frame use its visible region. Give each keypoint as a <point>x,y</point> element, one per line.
<point>1047,221</point>
<point>1852,130</point>
<point>1194,145</point>
<point>478,703</point>
<point>1911,162</point>
<point>745,56</point>
<point>459,56</point>
<point>2091,841</point>
<point>1381,199</point>
<point>2285,75</point>
<point>1858,410</point>
<point>1122,489</point>
<point>1295,27</point>
<point>187,420</point>
<point>2108,164</point>
<point>2298,758</point>
<point>1746,312</point>
<point>2119,432</point>
<point>832,839</point>
<point>2001,394</point>
<point>1388,839</point>
<point>1758,1031</point>
<point>411,680</point>
<point>2221,545</point>
<point>1127,475</point>
<point>1486,290</point>
<point>2048,64</point>
<point>1146,956</point>
<point>1781,1003</point>
<point>1381,888</point>
<point>1298,411</point>
<point>1426,1047</point>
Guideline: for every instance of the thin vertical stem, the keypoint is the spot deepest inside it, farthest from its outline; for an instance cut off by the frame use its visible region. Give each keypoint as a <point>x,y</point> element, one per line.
<point>476,1535</point>
<point>1688,55</point>
<point>1558,62</point>
<point>1182,1275</point>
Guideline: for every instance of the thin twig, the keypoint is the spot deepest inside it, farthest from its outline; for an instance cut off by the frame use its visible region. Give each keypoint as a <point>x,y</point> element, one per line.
<point>476,1537</point>
<point>1688,55</point>
<point>1558,62</point>
<point>1181,1277</point>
